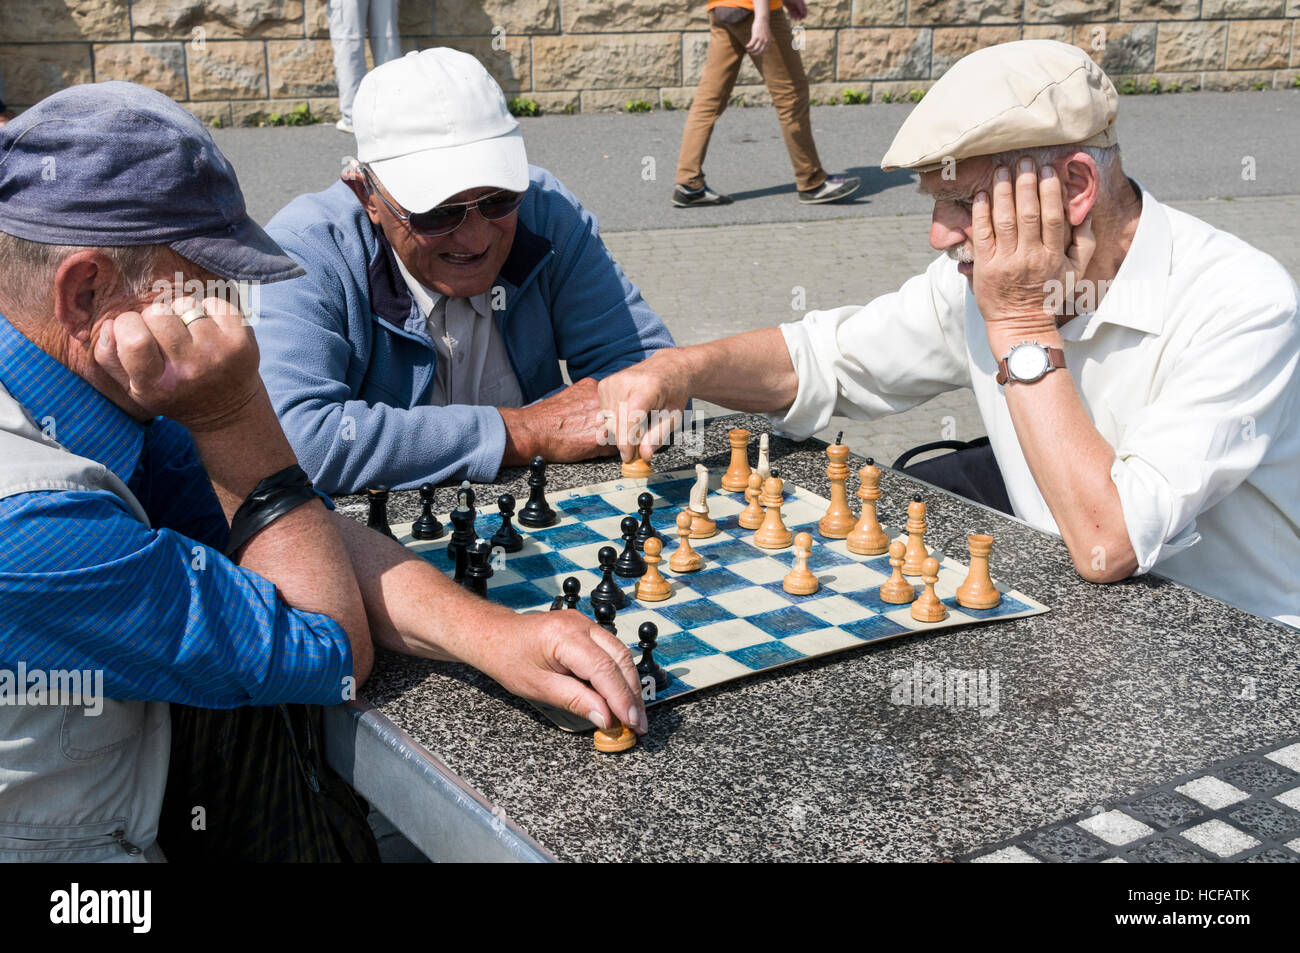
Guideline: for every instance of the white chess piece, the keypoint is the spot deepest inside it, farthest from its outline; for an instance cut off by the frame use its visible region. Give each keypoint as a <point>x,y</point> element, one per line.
<point>701,526</point>
<point>764,468</point>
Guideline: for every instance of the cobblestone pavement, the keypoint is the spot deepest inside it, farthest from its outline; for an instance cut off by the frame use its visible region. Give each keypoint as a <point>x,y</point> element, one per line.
<point>711,282</point>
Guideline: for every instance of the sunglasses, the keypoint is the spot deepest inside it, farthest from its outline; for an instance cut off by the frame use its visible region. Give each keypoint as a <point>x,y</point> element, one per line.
<point>445,219</point>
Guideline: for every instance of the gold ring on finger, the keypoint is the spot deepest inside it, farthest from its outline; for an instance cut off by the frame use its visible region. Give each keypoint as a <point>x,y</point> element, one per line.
<point>192,315</point>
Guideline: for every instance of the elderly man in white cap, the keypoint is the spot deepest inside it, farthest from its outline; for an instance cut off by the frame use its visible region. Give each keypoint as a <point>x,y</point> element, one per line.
<point>1135,368</point>
<point>446,281</point>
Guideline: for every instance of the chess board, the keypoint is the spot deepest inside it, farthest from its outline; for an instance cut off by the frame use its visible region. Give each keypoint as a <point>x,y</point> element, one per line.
<point>731,619</point>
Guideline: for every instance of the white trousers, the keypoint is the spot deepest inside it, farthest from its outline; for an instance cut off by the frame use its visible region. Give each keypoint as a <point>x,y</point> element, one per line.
<point>348,21</point>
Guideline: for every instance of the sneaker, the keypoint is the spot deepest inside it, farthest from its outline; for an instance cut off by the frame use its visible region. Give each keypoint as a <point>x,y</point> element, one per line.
<point>835,187</point>
<point>344,126</point>
<point>685,198</point>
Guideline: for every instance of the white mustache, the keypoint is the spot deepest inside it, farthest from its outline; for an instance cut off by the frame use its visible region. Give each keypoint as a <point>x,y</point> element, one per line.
<point>961,254</point>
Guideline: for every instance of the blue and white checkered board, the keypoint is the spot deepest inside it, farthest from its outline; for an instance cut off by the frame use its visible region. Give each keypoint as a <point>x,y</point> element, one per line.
<point>732,618</point>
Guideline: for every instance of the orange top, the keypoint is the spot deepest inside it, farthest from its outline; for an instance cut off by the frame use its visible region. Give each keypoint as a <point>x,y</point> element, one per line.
<point>747,4</point>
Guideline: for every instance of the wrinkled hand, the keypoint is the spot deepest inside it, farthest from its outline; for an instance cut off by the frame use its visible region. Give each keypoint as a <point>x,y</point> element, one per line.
<point>760,38</point>
<point>201,376</point>
<point>643,404</point>
<point>562,428</point>
<point>796,8</point>
<point>1022,243</point>
<point>564,659</point>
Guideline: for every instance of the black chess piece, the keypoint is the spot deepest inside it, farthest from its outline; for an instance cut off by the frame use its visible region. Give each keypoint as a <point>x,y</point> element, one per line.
<point>428,525</point>
<point>377,518</point>
<point>571,589</point>
<point>629,565</point>
<point>605,617</point>
<point>479,570</point>
<point>607,590</point>
<point>462,521</point>
<point>557,603</point>
<point>648,633</point>
<point>645,505</point>
<point>507,537</point>
<point>537,512</point>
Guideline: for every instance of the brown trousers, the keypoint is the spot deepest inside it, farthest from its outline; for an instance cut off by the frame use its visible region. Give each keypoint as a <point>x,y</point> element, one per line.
<point>782,71</point>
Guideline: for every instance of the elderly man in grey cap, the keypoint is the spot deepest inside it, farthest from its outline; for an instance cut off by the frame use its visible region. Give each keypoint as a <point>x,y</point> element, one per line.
<point>1135,368</point>
<point>161,543</point>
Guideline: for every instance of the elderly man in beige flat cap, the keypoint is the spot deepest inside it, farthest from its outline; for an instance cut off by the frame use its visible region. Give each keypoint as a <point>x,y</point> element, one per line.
<point>1135,368</point>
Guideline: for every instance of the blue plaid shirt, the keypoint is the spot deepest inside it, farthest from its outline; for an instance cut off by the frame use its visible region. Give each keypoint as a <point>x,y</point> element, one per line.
<point>165,616</point>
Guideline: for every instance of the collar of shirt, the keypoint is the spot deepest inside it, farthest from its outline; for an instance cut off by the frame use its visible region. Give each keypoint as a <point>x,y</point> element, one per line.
<point>85,421</point>
<point>1136,297</point>
<point>427,299</point>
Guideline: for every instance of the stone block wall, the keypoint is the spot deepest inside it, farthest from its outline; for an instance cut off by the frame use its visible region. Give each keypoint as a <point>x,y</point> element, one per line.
<point>237,61</point>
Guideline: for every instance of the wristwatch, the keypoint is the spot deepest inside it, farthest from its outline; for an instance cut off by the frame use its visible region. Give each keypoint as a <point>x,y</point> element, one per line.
<point>1029,361</point>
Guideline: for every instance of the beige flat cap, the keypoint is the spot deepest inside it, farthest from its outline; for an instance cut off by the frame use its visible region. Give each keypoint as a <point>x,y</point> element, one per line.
<point>1012,96</point>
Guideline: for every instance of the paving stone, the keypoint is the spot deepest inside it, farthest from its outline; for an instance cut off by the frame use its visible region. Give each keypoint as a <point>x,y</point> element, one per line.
<point>1256,774</point>
<point>1166,850</point>
<point>1164,810</point>
<point>1115,827</point>
<point>1266,820</point>
<point>1212,792</point>
<point>1066,844</point>
<point>1007,855</point>
<point>1219,837</point>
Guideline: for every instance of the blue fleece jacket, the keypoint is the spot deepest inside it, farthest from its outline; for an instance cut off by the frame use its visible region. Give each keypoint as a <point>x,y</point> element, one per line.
<point>350,369</point>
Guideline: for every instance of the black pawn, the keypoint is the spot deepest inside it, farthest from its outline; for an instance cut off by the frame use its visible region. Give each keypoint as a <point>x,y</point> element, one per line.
<point>377,519</point>
<point>571,589</point>
<point>537,512</point>
<point>480,566</point>
<point>648,633</point>
<point>605,617</point>
<point>557,603</point>
<point>427,526</point>
<point>607,590</point>
<point>629,565</point>
<point>645,505</point>
<point>507,537</point>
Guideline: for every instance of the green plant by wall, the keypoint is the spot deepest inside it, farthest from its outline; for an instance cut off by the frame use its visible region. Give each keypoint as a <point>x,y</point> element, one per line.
<point>668,104</point>
<point>638,106</point>
<point>916,95</point>
<point>519,106</point>
<point>1128,87</point>
<point>1154,86</point>
<point>854,98</point>
<point>887,97</point>
<point>300,115</point>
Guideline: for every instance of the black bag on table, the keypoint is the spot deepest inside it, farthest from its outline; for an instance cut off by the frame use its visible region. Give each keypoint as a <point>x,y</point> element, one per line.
<point>267,795</point>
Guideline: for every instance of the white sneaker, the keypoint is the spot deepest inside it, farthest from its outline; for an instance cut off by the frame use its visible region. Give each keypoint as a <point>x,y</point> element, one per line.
<point>344,126</point>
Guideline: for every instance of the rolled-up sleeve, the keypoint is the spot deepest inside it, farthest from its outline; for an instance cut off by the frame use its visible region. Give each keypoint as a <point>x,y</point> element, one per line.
<point>896,352</point>
<point>85,586</point>
<point>1229,396</point>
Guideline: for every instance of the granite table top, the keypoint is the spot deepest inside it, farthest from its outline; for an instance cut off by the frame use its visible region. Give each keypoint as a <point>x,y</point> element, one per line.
<point>1117,689</point>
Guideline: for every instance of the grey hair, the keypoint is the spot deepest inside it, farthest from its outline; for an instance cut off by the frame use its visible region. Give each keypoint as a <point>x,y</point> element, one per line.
<point>27,268</point>
<point>1106,157</point>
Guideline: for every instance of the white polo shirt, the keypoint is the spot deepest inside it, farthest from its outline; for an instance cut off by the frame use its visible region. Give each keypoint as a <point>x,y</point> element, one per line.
<point>1188,369</point>
<point>473,365</point>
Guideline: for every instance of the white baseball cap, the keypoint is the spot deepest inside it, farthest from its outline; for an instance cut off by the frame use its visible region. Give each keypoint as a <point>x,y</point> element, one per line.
<point>433,123</point>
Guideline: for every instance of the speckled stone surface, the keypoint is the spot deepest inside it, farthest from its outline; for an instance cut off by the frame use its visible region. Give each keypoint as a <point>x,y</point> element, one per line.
<point>1117,689</point>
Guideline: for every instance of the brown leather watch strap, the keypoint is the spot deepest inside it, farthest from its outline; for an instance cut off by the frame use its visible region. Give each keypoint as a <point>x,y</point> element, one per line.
<point>1055,359</point>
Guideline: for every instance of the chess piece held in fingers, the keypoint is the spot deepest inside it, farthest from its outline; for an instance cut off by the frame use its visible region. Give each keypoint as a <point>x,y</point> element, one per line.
<point>978,591</point>
<point>867,538</point>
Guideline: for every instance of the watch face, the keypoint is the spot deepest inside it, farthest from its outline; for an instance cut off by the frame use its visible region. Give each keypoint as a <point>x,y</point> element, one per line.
<point>1027,362</point>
